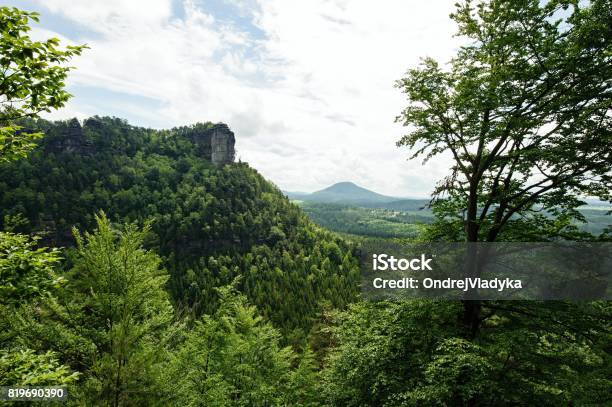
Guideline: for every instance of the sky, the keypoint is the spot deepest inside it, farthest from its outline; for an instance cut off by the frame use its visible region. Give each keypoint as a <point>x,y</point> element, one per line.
<point>306,86</point>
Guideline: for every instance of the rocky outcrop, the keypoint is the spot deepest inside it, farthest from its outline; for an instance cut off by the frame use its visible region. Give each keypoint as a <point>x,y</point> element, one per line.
<point>222,144</point>
<point>216,144</point>
<point>72,140</point>
<point>213,142</point>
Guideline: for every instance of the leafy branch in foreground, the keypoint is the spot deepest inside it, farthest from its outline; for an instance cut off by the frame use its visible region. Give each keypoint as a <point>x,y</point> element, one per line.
<point>32,78</point>
<point>26,271</point>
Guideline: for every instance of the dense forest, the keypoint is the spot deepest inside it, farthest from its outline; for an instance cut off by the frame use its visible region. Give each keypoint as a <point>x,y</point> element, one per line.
<point>209,224</point>
<point>199,241</point>
<point>375,222</point>
<point>205,285</point>
<point>134,271</point>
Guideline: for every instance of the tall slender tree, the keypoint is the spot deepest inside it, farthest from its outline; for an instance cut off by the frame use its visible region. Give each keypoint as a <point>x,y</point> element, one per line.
<point>123,309</point>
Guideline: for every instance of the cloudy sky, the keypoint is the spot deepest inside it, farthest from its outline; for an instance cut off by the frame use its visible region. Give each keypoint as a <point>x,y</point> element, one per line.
<point>307,86</point>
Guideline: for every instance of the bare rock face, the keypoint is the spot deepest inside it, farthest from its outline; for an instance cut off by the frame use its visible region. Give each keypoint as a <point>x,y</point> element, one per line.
<point>216,144</point>
<point>222,144</point>
<point>73,140</point>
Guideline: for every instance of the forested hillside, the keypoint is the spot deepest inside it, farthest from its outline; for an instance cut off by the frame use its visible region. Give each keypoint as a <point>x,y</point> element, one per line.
<point>210,223</point>
<point>144,267</point>
<point>375,222</point>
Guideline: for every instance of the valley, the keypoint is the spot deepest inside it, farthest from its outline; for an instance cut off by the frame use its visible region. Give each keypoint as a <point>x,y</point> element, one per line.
<point>350,209</point>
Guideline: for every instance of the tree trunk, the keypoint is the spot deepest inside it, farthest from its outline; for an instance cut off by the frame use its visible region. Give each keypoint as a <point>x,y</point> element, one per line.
<point>471,317</point>
<point>471,308</point>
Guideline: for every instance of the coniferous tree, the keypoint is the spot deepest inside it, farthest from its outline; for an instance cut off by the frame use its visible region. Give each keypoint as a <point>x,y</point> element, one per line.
<point>121,306</point>
<point>234,358</point>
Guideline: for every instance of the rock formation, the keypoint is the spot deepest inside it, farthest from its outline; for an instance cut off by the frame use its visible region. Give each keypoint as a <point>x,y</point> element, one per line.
<point>72,141</point>
<point>216,144</point>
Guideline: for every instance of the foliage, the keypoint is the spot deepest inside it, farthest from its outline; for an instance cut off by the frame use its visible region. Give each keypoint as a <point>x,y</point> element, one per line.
<point>414,353</point>
<point>109,322</point>
<point>27,276</point>
<point>26,271</point>
<point>118,301</point>
<point>523,109</point>
<point>234,358</point>
<point>524,112</point>
<point>210,224</point>
<point>32,79</point>
<point>27,368</point>
<point>528,95</point>
<point>112,323</point>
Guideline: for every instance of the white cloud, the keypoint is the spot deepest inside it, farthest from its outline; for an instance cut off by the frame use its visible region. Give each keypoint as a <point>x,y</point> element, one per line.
<point>108,16</point>
<point>308,90</point>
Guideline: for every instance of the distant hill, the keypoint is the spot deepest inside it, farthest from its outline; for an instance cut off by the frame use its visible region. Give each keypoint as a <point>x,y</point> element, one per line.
<point>348,193</point>
<point>340,207</point>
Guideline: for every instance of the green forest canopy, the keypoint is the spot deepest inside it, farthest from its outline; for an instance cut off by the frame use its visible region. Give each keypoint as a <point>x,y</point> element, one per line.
<point>156,308</point>
<point>209,224</point>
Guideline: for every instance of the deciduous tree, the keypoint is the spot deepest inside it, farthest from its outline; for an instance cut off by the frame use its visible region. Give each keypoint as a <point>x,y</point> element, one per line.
<point>523,110</point>
<point>32,75</point>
